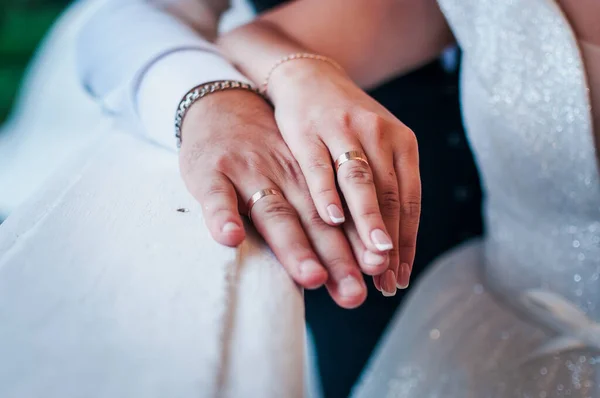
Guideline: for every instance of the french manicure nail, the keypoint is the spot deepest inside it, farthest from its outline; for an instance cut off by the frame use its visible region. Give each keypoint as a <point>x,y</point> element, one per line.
<point>230,227</point>
<point>377,282</point>
<point>404,276</point>
<point>381,240</point>
<point>309,267</point>
<point>373,259</point>
<point>335,214</point>
<point>388,283</point>
<point>350,287</point>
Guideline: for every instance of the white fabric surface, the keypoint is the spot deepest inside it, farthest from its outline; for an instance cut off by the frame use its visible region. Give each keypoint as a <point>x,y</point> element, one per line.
<point>105,289</point>
<point>53,117</point>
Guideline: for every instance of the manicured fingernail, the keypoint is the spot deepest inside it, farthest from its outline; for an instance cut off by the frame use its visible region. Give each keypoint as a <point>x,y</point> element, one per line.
<point>404,276</point>
<point>381,240</point>
<point>335,214</point>
<point>350,287</point>
<point>388,283</point>
<point>373,259</point>
<point>377,282</point>
<point>230,227</point>
<point>309,267</point>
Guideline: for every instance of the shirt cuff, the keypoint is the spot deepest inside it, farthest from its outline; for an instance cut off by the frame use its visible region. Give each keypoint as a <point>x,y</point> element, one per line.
<point>167,80</point>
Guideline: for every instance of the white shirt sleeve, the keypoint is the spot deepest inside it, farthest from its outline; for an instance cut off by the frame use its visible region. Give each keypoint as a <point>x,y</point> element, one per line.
<point>138,61</point>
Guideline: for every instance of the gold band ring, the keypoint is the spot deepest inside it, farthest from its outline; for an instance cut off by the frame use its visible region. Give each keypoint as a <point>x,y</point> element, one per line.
<point>259,195</point>
<point>348,156</point>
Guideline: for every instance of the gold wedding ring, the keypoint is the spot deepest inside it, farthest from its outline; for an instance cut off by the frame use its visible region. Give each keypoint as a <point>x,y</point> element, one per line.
<point>259,195</point>
<point>348,156</point>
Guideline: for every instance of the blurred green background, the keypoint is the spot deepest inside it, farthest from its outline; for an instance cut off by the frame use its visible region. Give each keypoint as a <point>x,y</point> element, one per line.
<point>23,24</point>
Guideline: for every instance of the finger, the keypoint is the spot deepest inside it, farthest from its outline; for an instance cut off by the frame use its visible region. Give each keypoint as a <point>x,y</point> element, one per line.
<point>315,161</point>
<point>345,284</point>
<point>388,283</point>
<point>356,181</point>
<point>409,181</point>
<point>377,282</point>
<point>371,263</point>
<point>277,222</point>
<point>385,280</point>
<point>404,276</point>
<point>388,196</point>
<point>218,198</point>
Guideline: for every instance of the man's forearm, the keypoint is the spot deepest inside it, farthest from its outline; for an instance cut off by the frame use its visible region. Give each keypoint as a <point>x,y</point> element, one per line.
<point>138,60</point>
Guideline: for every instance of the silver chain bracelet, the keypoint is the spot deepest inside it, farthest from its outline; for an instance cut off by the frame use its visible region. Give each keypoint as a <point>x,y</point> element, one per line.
<point>202,91</point>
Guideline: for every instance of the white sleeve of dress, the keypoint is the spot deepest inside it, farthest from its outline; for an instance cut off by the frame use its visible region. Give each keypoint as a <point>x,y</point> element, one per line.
<point>138,61</point>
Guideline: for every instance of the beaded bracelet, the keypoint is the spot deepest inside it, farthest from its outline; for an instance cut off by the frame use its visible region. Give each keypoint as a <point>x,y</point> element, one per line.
<point>293,57</point>
<point>202,91</point>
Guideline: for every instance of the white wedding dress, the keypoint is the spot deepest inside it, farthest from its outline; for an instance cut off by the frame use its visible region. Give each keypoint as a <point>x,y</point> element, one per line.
<point>516,314</point>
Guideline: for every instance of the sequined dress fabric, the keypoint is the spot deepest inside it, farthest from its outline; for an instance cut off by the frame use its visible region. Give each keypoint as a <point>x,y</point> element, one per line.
<point>517,313</point>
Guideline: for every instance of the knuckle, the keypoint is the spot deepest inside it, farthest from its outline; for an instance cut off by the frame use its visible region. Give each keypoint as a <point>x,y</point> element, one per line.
<point>254,161</point>
<point>277,210</point>
<point>337,264</point>
<point>411,210</point>
<point>390,202</point>
<point>318,166</point>
<point>223,162</point>
<point>358,173</point>
<point>215,188</point>
<point>325,191</point>
<point>291,170</point>
<point>370,212</point>
<point>215,198</point>
<point>299,251</point>
<point>341,117</point>
<point>379,137</point>
<point>314,220</point>
<point>286,166</point>
<point>410,143</point>
<point>374,124</point>
<point>407,242</point>
<point>394,254</point>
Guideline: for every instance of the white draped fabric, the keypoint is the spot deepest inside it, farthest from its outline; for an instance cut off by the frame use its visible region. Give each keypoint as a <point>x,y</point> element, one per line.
<point>110,285</point>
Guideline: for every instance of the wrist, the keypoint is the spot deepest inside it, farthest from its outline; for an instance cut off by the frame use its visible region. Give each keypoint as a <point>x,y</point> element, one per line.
<point>199,93</point>
<point>221,102</point>
<point>299,70</point>
<point>158,88</point>
<point>210,114</point>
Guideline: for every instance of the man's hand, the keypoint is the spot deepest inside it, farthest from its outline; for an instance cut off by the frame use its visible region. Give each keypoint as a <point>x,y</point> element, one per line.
<point>232,148</point>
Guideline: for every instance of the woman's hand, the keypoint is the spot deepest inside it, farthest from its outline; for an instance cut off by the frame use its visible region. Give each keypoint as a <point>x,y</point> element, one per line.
<point>322,114</point>
<point>231,148</point>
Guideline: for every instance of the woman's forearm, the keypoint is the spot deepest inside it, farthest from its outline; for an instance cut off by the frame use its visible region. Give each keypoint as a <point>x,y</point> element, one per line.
<point>373,40</point>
